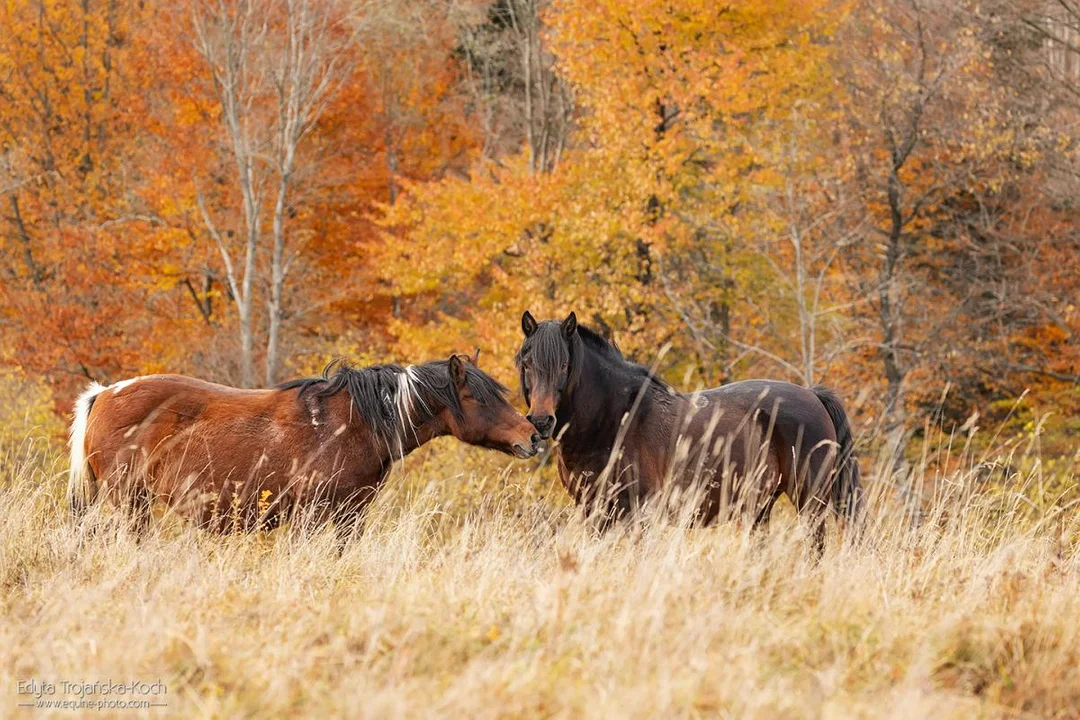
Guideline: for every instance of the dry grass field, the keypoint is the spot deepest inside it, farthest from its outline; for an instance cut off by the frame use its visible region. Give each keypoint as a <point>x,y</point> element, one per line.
<point>484,596</point>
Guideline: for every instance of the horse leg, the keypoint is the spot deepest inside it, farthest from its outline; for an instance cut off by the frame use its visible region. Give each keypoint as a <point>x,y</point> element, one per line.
<point>348,516</point>
<point>625,501</point>
<point>597,497</point>
<point>810,488</point>
<point>139,503</point>
<point>620,501</point>
<point>348,525</point>
<point>761,521</point>
<point>604,517</point>
<point>779,472</point>
<point>814,513</point>
<point>817,529</point>
<point>82,497</point>
<point>805,495</point>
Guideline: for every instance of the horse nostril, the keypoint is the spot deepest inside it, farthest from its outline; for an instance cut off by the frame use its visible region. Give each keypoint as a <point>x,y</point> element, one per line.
<point>542,423</point>
<point>536,439</point>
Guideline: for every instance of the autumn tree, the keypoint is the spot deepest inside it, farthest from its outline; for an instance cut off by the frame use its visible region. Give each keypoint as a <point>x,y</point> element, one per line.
<point>117,152</point>
<point>273,67</point>
<point>70,102</point>
<point>930,132</point>
<point>655,187</point>
<point>880,196</point>
<point>509,74</point>
<point>371,125</point>
<point>1022,326</point>
<point>808,218</point>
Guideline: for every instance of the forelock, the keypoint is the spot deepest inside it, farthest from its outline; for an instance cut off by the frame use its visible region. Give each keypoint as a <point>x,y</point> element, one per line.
<point>547,348</point>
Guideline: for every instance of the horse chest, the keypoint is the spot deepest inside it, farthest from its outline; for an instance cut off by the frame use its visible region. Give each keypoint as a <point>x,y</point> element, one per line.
<point>582,456</point>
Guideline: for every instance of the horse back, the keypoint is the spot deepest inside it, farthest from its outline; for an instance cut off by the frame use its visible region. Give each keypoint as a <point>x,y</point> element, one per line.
<point>775,431</point>
<point>790,411</point>
<point>144,410</point>
<point>177,435</point>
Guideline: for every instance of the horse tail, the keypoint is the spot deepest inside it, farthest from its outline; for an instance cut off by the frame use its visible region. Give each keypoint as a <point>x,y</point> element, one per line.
<point>847,492</point>
<point>82,485</point>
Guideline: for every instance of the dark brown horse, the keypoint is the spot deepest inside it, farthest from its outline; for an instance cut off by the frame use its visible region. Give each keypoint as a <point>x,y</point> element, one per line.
<point>322,445</point>
<point>625,435</point>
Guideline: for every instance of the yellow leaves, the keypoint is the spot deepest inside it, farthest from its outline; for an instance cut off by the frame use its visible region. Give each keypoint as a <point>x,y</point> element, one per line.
<point>678,98</point>
<point>717,69</point>
<point>455,228</point>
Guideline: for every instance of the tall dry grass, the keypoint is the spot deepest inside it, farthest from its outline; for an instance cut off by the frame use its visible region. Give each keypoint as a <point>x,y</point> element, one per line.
<point>482,597</point>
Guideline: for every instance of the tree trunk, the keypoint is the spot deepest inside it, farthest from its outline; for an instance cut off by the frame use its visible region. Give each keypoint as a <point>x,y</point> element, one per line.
<point>275,305</point>
<point>247,345</point>
<point>890,312</point>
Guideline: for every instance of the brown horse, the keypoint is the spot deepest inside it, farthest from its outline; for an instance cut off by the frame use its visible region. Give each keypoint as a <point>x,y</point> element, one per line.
<point>625,435</point>
<point>322,445</point>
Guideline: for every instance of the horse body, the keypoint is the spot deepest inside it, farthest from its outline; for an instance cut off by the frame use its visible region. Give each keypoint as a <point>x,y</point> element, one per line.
<point>783,433</point>
<point>738,446</point>
<point>219,454</point>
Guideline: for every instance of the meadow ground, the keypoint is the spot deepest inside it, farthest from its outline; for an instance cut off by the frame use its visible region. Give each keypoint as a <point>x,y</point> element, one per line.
<point>483,596</point>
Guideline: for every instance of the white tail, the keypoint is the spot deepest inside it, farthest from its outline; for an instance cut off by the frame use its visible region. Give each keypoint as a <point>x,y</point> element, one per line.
<point>79,494</point>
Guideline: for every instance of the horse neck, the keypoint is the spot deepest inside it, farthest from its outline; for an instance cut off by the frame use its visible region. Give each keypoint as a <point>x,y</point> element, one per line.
<point>421,434</point>
<point>409,435</point>
<point>594,409</point>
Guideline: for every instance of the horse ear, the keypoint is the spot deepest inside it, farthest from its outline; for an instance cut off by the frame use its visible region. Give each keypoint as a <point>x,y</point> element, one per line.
<point>476,357</point>
<point>569,325</point>
<point>528,324</point>
<point>457,371</point>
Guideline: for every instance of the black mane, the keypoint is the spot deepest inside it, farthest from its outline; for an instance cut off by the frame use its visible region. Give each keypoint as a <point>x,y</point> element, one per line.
<point>549,349</point>
<point>376,392</point>
<point>607,348</point>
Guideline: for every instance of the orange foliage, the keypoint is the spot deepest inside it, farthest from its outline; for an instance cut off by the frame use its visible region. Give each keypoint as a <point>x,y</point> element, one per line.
<point>725,189</point>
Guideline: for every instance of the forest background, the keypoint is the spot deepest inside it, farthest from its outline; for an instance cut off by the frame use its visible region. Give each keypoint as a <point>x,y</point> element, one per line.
<point>879,196</point>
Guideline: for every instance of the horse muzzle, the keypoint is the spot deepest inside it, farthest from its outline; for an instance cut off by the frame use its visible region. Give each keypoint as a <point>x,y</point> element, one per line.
<point>523,451</point>
<point>544,424</point>
<point>530,449</point>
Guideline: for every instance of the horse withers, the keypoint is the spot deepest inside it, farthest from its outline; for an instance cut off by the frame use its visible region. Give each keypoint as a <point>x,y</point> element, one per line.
<point>321,445</point>
<point>624,435</point>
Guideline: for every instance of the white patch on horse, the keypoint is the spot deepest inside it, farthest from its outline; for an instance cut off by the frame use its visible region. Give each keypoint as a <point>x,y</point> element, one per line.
<point>406,399</point>
<point>313,408</point>
<point>77,441</point>
<point>117,387</point>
